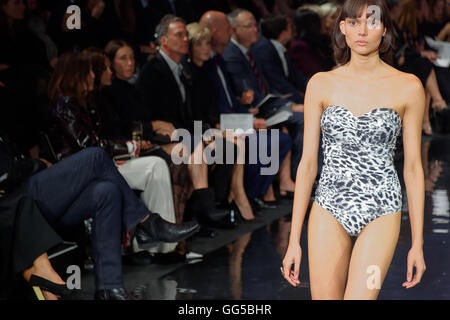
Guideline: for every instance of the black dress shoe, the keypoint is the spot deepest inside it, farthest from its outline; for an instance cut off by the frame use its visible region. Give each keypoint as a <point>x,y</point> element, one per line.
<point>264,204</point>
<point>113,294</point>
<point>142,258</point>
<point>155,229</point>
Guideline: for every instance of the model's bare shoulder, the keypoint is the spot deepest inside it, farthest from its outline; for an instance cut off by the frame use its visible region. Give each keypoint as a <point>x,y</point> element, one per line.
<point>315,89</point>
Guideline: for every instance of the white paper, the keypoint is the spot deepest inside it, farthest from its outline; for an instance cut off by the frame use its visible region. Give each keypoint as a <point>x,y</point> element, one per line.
<point>236,121</point>
<point>278,117</point>
<point>443,49</point>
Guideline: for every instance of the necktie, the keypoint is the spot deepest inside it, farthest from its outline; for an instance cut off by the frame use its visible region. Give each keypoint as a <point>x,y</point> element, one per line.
<point>258,75</point>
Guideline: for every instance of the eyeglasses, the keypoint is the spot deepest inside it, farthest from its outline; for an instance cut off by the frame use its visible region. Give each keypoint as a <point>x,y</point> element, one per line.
<point>247,26</point>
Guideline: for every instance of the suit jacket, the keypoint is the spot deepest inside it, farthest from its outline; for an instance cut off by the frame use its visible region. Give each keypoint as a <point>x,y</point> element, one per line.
<point>272,68</point>
<point>224,105</point>
<point>242,73</point>
<point>245,78</point>
<point>161,95</point>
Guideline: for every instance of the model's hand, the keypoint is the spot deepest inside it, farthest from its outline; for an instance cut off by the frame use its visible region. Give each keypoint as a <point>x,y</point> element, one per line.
<point>415,259</point>
<point>293,257</point>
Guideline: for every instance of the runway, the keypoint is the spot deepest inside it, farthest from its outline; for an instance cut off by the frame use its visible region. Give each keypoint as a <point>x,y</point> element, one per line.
<point>244,263</point>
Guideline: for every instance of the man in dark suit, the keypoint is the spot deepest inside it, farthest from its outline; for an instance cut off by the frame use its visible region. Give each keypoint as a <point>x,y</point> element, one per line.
<point>256,185</point>
<point>276,66</point>
<point>166,90</point>
<point>247,75</point>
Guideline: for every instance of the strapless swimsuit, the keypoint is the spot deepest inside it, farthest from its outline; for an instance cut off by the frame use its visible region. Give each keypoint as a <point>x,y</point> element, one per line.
<point>358,182</point>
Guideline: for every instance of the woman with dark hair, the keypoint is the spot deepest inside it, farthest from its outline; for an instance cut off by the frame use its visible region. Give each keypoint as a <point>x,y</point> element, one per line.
<point>309,51</point>
<point>124,211</point>
<point>129,105</point>
<point>360,109</point>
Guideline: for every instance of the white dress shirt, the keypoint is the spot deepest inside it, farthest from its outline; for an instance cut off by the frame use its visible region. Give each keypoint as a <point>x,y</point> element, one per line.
<point>281,50</point>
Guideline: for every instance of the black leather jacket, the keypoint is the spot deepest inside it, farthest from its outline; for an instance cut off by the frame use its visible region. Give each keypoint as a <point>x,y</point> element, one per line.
<point>76,127</point>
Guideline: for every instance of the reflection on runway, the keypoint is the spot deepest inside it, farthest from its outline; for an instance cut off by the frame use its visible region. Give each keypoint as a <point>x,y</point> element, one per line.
<point>248,268</point>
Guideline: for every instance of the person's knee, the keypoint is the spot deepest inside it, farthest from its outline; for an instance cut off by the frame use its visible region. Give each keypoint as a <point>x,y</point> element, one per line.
<point>97,153</point>
<point>106,193</point>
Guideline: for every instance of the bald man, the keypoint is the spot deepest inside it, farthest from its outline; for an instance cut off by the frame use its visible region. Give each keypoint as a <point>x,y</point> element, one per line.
<point>217,22</point>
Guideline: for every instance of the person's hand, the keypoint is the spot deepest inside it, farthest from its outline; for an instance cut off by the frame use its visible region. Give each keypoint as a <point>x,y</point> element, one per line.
<point>47,163</point>
<point>254,111</point>
<point>247,97</point>
<point>415,259</point>
<point>163,127</point>
<point>259,124</point>
<point>298,107</point>
<point>97,10</point>
<point>293,257</point>
<point>430,55</point>
<point>146,145</point>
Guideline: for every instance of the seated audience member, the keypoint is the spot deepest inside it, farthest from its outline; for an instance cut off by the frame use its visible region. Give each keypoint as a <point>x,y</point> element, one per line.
<point>148,174</point>
<point>409,57</point>
<point>256,185</point>
<point>206,109</point>
<point>275,64</point>
<point>246,74</point>
<point>309,50</point>
<point>25,236</point>
<point>88,185</point>
<point>166,89</point>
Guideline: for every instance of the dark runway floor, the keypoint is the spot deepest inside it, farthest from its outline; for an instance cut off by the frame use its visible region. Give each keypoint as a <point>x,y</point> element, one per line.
<point>244,263</point>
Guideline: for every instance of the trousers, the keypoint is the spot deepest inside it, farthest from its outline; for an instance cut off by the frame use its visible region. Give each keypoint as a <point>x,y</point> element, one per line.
<point>88,185</point>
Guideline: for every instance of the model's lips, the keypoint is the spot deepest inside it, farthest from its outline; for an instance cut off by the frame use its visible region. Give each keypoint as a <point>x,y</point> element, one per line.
<point>361,42</point>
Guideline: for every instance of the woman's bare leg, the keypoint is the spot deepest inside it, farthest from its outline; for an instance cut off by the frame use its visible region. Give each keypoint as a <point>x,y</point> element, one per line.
<point>237,192</point>
<point>42,267</point>
<point>371,257</point>
<point>433,87</point>
<point>426,125</point>
<point>286,182</point>
<point>329,251</point>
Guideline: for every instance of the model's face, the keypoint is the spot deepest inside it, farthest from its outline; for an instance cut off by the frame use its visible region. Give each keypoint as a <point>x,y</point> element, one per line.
<point>124,63</point>
<point>107,74</point>
<point>14,9</point>
<point>363,35</point>
<point>201,50</point>
<point>176,40</point>
<point>246,30</point>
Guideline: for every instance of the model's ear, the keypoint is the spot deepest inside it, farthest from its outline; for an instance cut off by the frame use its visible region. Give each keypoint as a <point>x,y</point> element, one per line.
<point>342,26</point>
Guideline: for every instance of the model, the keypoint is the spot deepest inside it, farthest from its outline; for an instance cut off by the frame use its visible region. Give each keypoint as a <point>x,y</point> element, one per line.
<point>360,107</point>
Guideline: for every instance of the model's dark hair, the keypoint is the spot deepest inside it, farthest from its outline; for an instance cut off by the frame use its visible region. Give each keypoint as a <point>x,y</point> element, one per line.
<point>353,9</point>
<point>272,27</point>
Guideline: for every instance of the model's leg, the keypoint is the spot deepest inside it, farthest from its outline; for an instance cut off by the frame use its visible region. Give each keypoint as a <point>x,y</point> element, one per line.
<point>371,257</point>
<point>329,250</point>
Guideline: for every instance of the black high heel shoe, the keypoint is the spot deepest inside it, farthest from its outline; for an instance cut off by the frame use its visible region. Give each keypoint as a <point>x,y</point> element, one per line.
<point>237,213</point>
<point>38,284</point>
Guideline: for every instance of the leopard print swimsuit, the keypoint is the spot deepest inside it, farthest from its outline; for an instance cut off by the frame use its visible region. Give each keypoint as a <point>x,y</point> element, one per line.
<point>359,182</point>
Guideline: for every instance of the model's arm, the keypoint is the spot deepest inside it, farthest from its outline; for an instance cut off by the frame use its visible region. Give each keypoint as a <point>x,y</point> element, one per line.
<point>306,174</point>
<point>413,175</point>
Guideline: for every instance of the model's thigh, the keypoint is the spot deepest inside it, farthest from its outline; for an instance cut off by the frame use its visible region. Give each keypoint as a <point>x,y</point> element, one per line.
<point>371,257</point>
<point>329,249</point>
